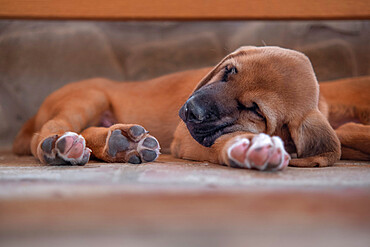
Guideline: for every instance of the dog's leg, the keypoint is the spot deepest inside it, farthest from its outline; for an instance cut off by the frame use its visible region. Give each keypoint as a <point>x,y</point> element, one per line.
<point>242,150</point>
<point>57,143</point>
<point>258,151</point>
<point>355,141</point>
<point>122,143</point>
<point>61,117</point>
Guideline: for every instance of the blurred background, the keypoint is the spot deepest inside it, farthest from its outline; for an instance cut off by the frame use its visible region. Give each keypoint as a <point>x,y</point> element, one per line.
<point>171,202</point>
<point>38,57</point>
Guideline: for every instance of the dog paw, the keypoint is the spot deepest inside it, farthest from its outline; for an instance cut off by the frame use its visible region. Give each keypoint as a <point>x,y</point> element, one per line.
<point>262,152</point>
<point>133,145</point>
<point>68,149</point>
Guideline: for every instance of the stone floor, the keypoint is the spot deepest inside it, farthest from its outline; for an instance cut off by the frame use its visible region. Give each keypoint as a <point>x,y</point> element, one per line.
<point>174,202</point>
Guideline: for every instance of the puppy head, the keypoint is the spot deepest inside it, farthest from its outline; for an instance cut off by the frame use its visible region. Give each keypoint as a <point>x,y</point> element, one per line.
<point>253,89</point>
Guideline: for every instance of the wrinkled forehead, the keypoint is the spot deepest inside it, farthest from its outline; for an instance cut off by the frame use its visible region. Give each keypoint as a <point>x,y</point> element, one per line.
<point>263,61</point>
<point>241,56</point>
<point>245,52</point>
<point>270,59</point>
<point>277,69</point>
<point>234,58</point>
<point>240,53</point>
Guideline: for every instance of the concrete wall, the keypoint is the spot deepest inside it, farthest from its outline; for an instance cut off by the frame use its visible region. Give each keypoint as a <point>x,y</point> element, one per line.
<point>37,57</point>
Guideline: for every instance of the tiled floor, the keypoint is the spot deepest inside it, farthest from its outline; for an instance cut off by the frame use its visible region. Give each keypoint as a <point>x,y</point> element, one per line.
<point>173,202</point>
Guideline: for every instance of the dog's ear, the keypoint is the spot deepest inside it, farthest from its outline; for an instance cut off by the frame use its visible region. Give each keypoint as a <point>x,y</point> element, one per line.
<point>315,140</point>
<point>210,75</point>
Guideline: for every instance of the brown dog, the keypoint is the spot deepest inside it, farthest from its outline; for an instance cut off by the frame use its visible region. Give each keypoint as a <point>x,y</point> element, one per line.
<point>251,91</point>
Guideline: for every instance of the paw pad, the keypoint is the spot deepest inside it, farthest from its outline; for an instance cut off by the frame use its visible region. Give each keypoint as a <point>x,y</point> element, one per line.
<point>134,159</point>
<point>68,149</point>
<point>117,143</point>
<point>133,145</point>
<point>48,144</point>
<point>262,153</point>
<point>136,131</point>
<point>150,142</point>
<point>148,155</point>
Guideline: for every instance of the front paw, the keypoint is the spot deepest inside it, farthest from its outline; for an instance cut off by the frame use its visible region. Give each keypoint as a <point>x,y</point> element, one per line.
<point>262,152</point>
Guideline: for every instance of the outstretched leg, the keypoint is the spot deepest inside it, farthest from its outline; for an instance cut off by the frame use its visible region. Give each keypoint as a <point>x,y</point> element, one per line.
<point>53,133</point>
<point>122,143</point>
<point>238,149</point>
<point>62,115</point>
<point>247,150</point>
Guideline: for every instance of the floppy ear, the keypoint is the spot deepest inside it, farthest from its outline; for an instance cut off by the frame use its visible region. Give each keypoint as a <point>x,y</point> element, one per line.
<point>210,74</point>
<point>315,141</point>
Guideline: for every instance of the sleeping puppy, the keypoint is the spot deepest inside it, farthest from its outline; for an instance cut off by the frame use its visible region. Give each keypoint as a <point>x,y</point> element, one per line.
<point>255,109</point>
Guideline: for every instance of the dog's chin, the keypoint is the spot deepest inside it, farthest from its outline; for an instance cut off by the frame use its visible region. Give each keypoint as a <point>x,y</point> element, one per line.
<point>207,135</point>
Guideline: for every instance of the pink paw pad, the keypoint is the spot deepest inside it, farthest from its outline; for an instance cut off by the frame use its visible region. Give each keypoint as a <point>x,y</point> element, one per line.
<point>70,148</point>
<point>237,152</point>
<point>262,153</point>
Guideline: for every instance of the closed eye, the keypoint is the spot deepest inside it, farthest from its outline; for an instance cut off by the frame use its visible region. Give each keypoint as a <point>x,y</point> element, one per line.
<point>252,109</point>
<point>228,70</point>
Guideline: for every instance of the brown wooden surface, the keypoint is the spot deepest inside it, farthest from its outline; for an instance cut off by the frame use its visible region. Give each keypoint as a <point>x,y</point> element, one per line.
<point>185,9</point>
<point>173,202</point>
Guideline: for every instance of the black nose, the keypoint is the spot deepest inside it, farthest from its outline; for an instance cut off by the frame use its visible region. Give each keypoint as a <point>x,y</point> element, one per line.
<point>197,110</point>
